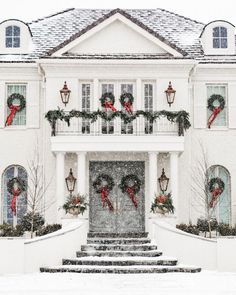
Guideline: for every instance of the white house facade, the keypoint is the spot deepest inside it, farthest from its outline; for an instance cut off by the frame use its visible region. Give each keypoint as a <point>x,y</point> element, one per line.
<point>107,54</point>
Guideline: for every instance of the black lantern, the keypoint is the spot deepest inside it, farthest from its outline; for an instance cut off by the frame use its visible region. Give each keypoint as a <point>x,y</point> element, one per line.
<point>170,94</point>
<point>163,181</point>
<point>70,182</point>
<point>65,94</point>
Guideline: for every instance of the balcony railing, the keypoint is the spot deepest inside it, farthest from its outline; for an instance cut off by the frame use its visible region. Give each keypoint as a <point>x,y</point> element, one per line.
<point>118,123</point>
<point>139,126</point>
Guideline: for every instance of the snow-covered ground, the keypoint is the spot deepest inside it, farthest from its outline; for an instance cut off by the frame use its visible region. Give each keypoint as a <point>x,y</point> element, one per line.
<point>94,284</point>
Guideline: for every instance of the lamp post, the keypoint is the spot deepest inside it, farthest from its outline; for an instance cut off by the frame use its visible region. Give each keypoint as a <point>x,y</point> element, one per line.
<point>70,182</point>
<point>163,181</point>
<point>170,94</point>
<point>65,94</point>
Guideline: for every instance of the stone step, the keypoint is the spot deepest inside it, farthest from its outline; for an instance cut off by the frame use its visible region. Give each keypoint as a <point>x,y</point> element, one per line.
<point>118,261</point>
<point>117,235</point>
<point>148,253</point>
<point>121,269</point>
<point>118,247</point>
<point>118,241</point>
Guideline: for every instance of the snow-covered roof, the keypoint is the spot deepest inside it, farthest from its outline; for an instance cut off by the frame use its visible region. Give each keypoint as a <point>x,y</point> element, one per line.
<point>54,32</point>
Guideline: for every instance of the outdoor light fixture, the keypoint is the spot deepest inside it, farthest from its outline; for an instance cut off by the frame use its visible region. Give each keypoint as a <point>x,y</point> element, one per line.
<point>170,94</point>
<point>65,94</point>
<point>70,182</point>
<point>163,181</point>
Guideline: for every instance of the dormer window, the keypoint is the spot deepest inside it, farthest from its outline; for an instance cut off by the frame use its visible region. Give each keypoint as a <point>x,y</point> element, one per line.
<point>220,37</point>
<point>12,37</point>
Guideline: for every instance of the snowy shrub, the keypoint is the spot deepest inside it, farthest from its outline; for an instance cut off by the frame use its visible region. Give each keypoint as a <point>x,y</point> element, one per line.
<point>50,228</point>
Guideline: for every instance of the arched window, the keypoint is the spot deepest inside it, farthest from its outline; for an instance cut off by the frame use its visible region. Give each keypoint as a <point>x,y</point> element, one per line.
<point>12,37</point>
<point>220,37</point>
<point>21,200</point>
<point>223,208</point>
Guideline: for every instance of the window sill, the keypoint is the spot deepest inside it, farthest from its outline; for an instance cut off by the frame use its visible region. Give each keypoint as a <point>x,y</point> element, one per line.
<point>15,127</point>
<point>218,129</point>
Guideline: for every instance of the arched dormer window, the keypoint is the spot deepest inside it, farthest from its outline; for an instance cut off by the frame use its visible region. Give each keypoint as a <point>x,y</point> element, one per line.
<point>220,37</point>
<point>12,37</point>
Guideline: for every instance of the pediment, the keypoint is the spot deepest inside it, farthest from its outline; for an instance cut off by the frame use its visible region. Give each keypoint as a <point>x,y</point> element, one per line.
<point>117,35</point>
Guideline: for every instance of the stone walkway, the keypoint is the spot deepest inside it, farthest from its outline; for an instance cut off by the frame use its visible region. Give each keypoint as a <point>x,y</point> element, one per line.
<point>210,283</point>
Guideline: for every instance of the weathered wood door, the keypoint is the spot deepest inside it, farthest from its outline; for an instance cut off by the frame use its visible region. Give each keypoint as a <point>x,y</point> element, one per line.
<point>125,217</point>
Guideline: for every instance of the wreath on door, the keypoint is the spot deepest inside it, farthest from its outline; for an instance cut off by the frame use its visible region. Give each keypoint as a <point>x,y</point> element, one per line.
<point>131,185</point>
<point>103,184</point>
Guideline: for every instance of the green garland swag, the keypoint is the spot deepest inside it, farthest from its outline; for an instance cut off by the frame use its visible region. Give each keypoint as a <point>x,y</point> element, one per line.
<point>180,117</point>
<point>213,182</point>
<point>97,184</point>
<point>20,184</point>
<point>163,203</point>
<point>16,96</point>
<point>212,99</point>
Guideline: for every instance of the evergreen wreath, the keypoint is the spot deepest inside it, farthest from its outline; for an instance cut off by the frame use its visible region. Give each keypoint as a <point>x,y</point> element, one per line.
<point>107,97</point>
<point>16,96</point>
<point>213,182</point>
<point>126,100</point>
<point>212,99</point>
<point>163,203</point>
<point>20,183</point>
<point>97,184</point>
<point>131,178</point>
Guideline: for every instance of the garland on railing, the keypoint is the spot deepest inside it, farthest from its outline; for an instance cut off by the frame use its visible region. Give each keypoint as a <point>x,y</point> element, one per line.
<point>180,117</point>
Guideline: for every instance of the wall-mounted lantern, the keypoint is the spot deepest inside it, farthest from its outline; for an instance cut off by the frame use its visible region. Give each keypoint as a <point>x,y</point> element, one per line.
<point>170,94</point>
<point>65,94</point>
<point>163,181</point>
<point>70,182</point>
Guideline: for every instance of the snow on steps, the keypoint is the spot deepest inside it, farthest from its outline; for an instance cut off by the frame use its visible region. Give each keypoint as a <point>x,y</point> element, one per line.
<point>119,253</point>
<point>121,269</point>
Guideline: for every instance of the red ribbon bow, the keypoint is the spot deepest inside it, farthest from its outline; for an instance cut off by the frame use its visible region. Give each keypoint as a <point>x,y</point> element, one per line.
<point>130,191</point>
<point>105,199</point>
<point>13,110</point>
<point>109,105</point>
<point>214,114</point>
<point>16,193</point>
<point>215,194</point>
<point>128,107</point>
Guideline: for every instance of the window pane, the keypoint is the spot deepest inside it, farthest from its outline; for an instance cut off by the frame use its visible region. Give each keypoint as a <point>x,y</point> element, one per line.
<point>216,32</point>
<point>223,32</point>
<point>9,31</point>
<point>16,42</point>
<point>224,43</point>
<point>221,119</point>
<point>20,117</point>
<point>16,31</point>
<point>216,43</point>
<point>9,42</point>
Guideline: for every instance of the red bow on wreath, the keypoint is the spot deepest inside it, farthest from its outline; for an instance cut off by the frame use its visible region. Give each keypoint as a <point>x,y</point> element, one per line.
<point>105,199</point>
<point>16,193</point>
<point>214,114</point>
<point>109,105</point>
<point>128,106</point>
<point>215,194</point>
<point>130,190</point>
<point>13,110</point>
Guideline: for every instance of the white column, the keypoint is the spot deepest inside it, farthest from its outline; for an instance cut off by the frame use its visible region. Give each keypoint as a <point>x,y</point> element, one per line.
<point>81,173</point>
<point>152,176</point>
<point>174,182</point>
<point>60,184</point>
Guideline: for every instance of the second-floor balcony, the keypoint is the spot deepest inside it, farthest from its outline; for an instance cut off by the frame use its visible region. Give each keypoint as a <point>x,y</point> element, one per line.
<point>76,123</point>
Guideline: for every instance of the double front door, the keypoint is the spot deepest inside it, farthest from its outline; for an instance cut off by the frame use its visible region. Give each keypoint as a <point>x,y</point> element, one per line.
<point>122,215</point>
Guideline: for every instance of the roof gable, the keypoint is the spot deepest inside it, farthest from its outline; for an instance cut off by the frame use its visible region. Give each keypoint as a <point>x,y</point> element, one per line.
<point>154,38</point>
